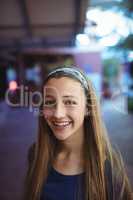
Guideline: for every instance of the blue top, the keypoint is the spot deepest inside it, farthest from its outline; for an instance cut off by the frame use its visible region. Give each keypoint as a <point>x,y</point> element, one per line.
<point>63,187</point>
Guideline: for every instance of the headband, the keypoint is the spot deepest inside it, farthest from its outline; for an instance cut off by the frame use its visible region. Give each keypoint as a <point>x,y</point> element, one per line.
<point>70,71</point>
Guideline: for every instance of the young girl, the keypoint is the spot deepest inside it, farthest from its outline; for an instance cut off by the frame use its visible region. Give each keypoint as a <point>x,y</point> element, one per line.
<point>72,158</point>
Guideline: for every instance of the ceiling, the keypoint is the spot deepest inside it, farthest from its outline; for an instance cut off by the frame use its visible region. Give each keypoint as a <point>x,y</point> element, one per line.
<point>40,23</point>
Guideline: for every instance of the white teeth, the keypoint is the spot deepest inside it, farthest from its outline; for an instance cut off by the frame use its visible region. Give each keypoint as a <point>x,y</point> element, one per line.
<point>61,123</point>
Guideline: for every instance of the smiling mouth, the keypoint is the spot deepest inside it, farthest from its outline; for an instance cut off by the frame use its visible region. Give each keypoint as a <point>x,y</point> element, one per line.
<point>61,125</point>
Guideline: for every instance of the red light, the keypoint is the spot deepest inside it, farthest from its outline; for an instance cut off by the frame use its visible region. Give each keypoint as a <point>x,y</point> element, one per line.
<point>13,85</point>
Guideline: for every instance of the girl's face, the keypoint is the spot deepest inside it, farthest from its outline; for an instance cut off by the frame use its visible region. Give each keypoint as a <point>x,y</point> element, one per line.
<point>64,107</point>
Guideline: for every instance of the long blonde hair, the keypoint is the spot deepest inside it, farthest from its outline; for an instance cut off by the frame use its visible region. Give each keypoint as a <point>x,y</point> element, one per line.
<point>97,149</point>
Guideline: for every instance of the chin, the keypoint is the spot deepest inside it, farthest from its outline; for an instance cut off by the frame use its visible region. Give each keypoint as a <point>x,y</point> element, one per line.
<point>62,136</point>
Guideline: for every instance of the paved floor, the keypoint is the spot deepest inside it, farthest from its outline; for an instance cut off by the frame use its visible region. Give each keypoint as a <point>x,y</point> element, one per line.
<point>18,130</point>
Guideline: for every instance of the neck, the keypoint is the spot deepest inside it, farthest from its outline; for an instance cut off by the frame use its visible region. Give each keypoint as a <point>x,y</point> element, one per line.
<point>72,146</point>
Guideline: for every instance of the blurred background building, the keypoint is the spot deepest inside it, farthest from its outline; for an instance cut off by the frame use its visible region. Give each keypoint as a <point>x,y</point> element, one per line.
<point>35,36</point>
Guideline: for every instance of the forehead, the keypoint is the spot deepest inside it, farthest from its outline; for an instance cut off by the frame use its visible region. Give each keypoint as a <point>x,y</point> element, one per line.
<point>64,86</point>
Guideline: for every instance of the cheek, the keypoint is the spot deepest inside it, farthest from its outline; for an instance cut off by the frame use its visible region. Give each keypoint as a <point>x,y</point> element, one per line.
<point>79,114</point>
<point>76,115</point>
<point>79,110</point>
<point>47,113</point>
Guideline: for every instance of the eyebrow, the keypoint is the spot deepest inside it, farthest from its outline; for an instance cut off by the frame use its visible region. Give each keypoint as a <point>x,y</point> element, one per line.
<point>69,96</point>
<point>66,96</point>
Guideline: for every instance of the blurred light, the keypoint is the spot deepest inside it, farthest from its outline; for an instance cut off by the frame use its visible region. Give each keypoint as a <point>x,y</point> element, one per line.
<point>30,74</point>
<point>13,85</point>
<point>109,21</point>
<point>11,74</point>
<point>130,56</point>
<point>103,19</point>
<point>109,41</point>
<point>82,40</point>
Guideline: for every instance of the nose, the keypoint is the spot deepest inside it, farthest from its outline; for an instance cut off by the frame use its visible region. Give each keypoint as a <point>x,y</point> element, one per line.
<point>59,111</point>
